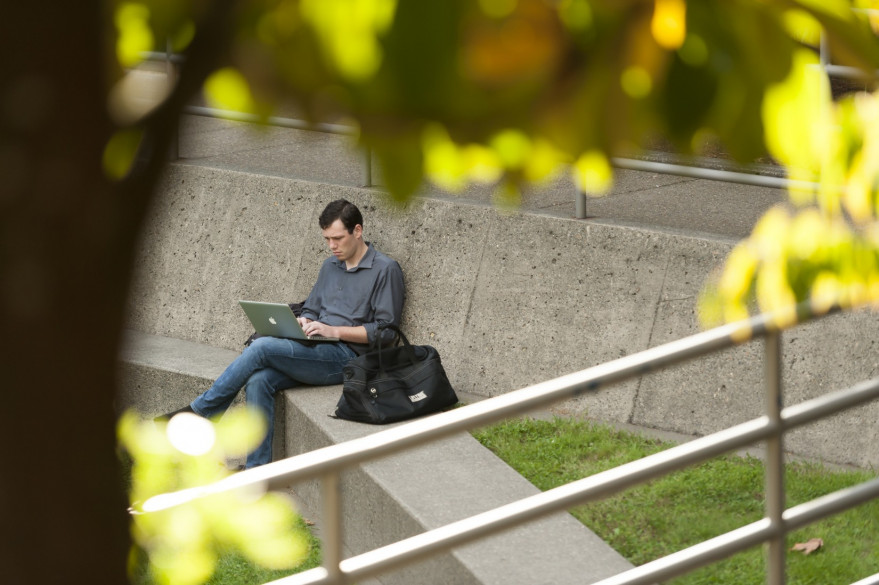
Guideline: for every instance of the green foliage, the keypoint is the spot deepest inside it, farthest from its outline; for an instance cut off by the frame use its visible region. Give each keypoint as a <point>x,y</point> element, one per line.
<point>828,252</point>
<point>185,541</point>
<point>573,78</point>
<point>668,514</point>
<point>120,152</point>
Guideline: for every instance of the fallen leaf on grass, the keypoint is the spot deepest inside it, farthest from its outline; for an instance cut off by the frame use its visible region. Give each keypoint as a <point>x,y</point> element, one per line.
<point>809,546</point>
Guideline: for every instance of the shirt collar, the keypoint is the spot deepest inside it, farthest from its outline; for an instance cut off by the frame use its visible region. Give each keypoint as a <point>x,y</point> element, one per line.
<point>365,262</point>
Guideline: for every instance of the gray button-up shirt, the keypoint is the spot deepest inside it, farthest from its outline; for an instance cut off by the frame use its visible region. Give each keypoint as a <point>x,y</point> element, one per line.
<point>370,294</point>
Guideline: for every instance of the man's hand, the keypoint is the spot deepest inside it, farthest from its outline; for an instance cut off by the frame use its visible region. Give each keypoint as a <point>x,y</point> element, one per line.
<point>351,334</point>
<point>318,328</point>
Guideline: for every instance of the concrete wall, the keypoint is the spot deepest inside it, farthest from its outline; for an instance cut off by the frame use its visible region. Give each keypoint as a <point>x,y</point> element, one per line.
<point>508,299</point>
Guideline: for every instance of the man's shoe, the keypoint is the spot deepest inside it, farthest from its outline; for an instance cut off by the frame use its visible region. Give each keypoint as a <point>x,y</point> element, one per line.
<point>170,415</point>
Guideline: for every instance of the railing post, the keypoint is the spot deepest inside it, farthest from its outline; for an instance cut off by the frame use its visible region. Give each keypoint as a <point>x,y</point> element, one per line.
<point>331,535</point>
<point>367,167</point>
<point>774,466</point>
<point>171,73</point>
<point>823,51</point>
<point>580,204</point>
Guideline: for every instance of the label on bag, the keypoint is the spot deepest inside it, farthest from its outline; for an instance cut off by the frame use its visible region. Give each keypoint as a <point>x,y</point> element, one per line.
<point>418,397</point>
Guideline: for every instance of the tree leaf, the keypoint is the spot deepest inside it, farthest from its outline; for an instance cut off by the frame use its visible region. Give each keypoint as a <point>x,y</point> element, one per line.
<point>809,546</point>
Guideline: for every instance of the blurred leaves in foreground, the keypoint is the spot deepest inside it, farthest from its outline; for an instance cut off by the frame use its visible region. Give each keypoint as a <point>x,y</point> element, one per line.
<point>513,92</point>
<point>824,247</point>
<point>184,542</point>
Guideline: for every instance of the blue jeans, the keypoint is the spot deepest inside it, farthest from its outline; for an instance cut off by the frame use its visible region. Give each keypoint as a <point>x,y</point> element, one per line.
<point>267,365</point>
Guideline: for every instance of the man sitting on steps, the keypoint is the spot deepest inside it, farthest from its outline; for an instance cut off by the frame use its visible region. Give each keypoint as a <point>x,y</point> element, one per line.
<point>357,290</point>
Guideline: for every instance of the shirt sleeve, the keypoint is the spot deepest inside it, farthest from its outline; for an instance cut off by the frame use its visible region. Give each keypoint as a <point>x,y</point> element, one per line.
<point>311,306</point>
<point>388,298</point>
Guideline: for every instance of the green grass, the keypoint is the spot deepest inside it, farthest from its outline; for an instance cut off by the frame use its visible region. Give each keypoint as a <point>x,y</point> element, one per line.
<point>689,506</point>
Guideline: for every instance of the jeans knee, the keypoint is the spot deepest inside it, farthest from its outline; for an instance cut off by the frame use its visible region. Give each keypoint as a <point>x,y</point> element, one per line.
<point>259,345</point>
<point>259,388</point>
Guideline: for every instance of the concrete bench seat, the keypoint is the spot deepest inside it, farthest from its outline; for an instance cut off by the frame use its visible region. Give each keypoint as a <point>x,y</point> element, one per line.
<point>395,497</point>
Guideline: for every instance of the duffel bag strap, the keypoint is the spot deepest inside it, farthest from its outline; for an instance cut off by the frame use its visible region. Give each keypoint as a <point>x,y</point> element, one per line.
<point>400,336</point>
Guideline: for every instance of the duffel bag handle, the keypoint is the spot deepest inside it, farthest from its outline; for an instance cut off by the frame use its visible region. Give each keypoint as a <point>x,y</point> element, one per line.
<point>400,336</point>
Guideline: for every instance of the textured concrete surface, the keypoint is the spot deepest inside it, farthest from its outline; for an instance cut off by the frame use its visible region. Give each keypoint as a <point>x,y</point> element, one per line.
<point>508,298</point>
<point>161,374</point>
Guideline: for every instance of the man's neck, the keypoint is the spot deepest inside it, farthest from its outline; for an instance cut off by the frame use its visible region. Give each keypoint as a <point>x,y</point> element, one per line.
<point>355,260</point>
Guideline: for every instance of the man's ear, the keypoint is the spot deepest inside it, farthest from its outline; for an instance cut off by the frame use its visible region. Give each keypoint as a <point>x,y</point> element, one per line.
<point>358,231</point>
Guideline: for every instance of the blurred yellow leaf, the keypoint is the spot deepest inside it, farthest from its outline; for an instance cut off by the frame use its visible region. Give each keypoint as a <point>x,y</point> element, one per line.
<point>544,162</point>
<point>482,163</point>
<point>349,30</point>
<point>576,14</point>
<point>513,147</point>
<point>669,24</point>
<point>636,82</point>
<point>593,173</point>
<point>240,430</point>
<point>498,8</point>
<point>738,273</point>
<point>838,8</point>
<point>802,26</point>
<point>451,166</point>
<point>120,152</point>
<point>228,89</point>
<point>694,51</point>
<point>183,541</point>
<point>135,35</point>
<point>797,118</point>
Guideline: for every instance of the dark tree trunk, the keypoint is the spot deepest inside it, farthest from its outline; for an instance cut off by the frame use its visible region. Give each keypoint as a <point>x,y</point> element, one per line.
<point>65,239</point>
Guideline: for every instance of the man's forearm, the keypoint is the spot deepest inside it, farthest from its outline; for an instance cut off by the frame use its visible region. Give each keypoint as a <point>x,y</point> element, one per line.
<point>352,334</point>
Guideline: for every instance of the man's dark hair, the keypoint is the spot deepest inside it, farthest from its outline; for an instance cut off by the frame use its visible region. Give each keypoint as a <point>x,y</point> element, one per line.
<point>341,209</point>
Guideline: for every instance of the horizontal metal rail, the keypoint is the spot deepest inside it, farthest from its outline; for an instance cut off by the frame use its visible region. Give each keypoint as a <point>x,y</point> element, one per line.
<point>623,477</point>
<point>742,178</point>
<point>293,123</point>
<point>170,56</point>
<point>872,580</point>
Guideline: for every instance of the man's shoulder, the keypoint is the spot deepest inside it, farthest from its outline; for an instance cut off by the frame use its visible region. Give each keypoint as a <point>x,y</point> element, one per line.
<point>383,261</point>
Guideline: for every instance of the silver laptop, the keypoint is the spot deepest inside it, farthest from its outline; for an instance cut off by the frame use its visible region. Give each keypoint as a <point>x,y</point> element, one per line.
<point>277,320</point>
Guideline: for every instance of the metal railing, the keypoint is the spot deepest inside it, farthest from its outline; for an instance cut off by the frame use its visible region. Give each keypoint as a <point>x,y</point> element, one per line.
<point>328,463</point>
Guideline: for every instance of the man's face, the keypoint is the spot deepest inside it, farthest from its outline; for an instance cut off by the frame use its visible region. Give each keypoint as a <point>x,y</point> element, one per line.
<point>342,244</point>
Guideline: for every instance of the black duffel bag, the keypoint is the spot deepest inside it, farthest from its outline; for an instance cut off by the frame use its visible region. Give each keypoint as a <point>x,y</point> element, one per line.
<point>390,384</point>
